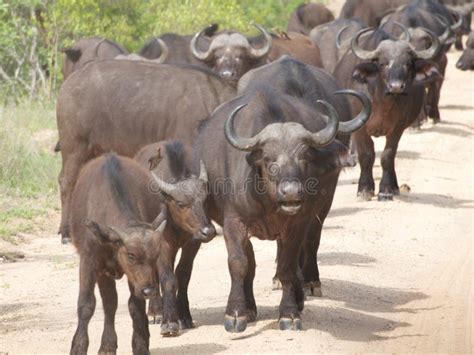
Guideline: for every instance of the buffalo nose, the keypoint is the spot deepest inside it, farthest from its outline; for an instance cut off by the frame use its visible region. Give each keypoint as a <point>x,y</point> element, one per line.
<point>148,291</point>
<point>396,86</point>
<point>459,64</point>
<point>208,231</point>
<point>227,74</point>
<point>291,190</point>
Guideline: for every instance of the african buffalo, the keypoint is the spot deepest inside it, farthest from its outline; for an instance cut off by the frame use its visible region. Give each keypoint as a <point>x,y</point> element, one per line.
<point>308,16</point>
<point>413,20</point>
<point>183,195</point>
<point>116,231</point>
<point>230,53</point>
<point>274,174</point>
<point>394,74</point>
<point>369,12</point>
<point>86,50</point>
<point>466,61</point>
<point>120,106</point>
<point>333,40</point>
<point>175,48</point>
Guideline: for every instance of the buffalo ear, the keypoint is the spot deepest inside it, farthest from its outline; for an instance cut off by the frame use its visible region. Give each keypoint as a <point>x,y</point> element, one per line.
<point>254,157</point>
<point>161,218</point>
<point>426,72</point>
<point>73,54</point>
<point>105,234</point>
<point>363,71</point>
<point>344,158</point>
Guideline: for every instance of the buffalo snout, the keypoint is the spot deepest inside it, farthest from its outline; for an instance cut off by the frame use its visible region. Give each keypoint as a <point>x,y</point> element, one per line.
<point>206,233</point>
<point>396,87</point>
<point>290,196</point>
<point>148,291</point>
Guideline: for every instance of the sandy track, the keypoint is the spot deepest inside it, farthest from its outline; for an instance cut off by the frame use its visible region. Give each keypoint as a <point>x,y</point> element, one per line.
<point>397,276</point>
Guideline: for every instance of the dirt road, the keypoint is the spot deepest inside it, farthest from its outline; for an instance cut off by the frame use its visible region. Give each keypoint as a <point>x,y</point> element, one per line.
<point>397,276</point>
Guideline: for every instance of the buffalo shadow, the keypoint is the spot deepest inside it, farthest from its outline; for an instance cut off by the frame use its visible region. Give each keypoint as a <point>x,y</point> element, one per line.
<point>345,258</point>
<point>437,200</point>
<point>207,348</point>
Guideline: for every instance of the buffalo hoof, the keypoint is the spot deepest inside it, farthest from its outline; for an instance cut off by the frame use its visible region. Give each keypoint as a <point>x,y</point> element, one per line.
<point>385,196</point>
<point>365,195</point>
<point>107,352</point>
<point>235,324</point>
<point>313,289</point>
<point>251,316</point>
<point>290,324</point>
<point>276,284</point>
<point>65,240</point>
<point>185,323</point>
<point>169,329</point>
<point>154,319</point>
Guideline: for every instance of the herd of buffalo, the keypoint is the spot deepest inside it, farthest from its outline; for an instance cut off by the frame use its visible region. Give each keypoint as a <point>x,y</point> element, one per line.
<point>249,133</point>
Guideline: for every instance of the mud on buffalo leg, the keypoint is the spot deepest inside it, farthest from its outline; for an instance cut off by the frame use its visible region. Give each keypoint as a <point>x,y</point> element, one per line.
<point>248,284</point>
<point>276,284</point>
<point>183,274</point>
<point>434,91</point>
<point>366,156</point>
<point>389,183</point>
<point>235,235</point>
<point>155,308</point>
<point>169,283</point>
<point>292,300</point>
<point>108,293</point>
<point>85,306</point>
<point>67,179</point>
<point>141,334</point>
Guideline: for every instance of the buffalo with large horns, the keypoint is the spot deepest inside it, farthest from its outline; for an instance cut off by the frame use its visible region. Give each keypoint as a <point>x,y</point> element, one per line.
<point>394,73</point>
<point>274,174</point>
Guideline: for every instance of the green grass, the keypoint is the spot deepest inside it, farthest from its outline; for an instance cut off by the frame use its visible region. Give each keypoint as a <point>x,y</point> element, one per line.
<point>28,167</point>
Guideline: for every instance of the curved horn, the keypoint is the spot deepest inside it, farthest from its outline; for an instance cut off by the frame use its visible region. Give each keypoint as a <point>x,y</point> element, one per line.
<point>261,52</point>
<point>406,36</point>
<point>164,186</point>
<point>246,144</point>
<point>328,133</point>
<point>165,51</point>
<point>202,171</point>
<point>359,120</point>
<point>447,32</point>
<point>430,52</point>
<point>457,25</point>
<point>359,52</point>
<point>338,36</point>
<point>203,56</point>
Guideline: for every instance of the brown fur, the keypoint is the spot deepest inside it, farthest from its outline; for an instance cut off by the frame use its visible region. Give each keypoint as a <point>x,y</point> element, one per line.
<point>298,46</point>
<point>308,16</point>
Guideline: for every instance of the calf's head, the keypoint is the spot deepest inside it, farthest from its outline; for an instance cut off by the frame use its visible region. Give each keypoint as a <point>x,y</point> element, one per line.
<point>136,248</point>
<point>395,64</point>
<point>466,61</point>
<point>184,202</point>
<point>230,54</point>
<point>290,160</point>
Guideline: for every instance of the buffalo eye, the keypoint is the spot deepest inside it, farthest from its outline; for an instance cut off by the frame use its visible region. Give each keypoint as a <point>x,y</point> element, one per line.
<point>181,205</point>
<point>131,258</point>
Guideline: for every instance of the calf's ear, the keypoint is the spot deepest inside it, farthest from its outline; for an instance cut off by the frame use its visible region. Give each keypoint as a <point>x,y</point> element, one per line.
<point>254,157</point>
<point>363,71</point>
<point>426,72</point>
<point>160,221</point>
<point>105,234</point>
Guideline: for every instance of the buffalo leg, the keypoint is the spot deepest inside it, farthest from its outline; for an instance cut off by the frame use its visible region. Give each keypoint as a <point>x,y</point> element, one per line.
<point>141,333</point>
<point>248,284</point>
<point>108,293</point>
<point>276,284</point>
<point>366,156</point>
<point>168,281</point>
<point>155,308</point>
<point>235,235</point>
<point>67,180</point>
<point>85,307</point>
<point>389,183</point>
<point>183,274</point>
<point>309,259</point>
<point>292,301</point>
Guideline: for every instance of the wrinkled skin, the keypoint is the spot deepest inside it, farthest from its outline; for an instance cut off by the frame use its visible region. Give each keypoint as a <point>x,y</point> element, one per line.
<point>87,50</point>
<point>466,61</point>
<point>308,16</point>
<point>394,79</point>
<point>187,227</point>
<point>119,117</point>
<point>267,198</point>
<point>114,235</point>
